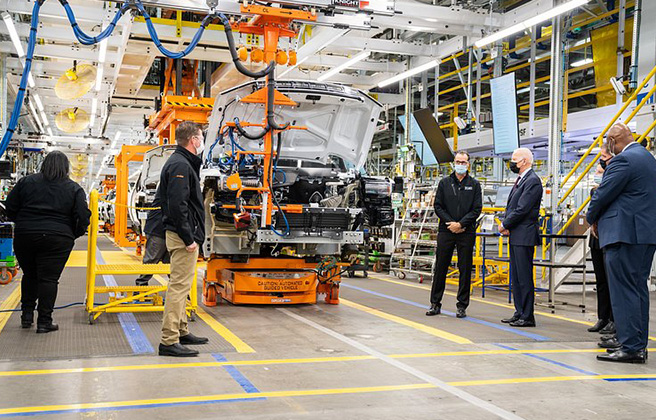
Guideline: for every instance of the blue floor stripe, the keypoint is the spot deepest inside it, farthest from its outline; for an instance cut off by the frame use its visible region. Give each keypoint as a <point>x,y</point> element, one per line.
<point>237,375</point>
<point>131,328</point>
<point>523,333</point>
<point>553,362</point>
<point>629,379</point>
<point>133,407</point>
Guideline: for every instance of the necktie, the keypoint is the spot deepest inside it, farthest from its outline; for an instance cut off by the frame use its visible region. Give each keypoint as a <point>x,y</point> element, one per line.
<point>516,184</point>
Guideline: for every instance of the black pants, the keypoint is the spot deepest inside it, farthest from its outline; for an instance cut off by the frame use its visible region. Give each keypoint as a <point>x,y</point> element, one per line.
<point>521,273</point>
<point>42,258</point>
<point>604,310</point>
<point>628,268</point>
<point>155,253</point>
<point>464,244</point>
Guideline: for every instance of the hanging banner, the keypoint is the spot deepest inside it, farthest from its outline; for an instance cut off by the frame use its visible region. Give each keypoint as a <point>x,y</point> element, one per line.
<point>504,114</point>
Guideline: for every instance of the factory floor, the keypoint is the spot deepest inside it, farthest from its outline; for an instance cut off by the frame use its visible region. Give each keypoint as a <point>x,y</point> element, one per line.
<point>374,356</point>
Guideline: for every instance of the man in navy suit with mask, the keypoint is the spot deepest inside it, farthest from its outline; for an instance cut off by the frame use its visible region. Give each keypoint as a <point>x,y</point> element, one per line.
<point>521,224</point>
<point>623,210</point>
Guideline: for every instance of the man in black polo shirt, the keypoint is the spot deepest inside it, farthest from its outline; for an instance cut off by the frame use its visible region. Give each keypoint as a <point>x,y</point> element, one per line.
<point>458,203</point>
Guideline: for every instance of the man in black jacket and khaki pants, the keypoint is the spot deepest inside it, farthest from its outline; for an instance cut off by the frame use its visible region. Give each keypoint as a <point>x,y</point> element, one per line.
<point>184,221</point>
<point>458,203</point>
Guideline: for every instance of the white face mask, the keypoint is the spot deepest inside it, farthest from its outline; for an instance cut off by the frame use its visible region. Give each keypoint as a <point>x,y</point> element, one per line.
<point>460,169</point>
<point>201,147</point>
<point>597,178</point>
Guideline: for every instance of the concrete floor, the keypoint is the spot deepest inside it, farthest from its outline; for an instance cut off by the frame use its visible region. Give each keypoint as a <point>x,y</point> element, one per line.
<point>374,356</point>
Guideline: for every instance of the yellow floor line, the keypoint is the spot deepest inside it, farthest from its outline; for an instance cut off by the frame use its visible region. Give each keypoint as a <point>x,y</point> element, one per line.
<point>552,379</point>
<point>219,328</point>
<point>11,302</point>
<point>208,398</point>
<point>421,327</point>
<point>144,403</point>
<point>228,335</point>
<point>268,362</point>
<point>77,259</point>
<point>502,305</point>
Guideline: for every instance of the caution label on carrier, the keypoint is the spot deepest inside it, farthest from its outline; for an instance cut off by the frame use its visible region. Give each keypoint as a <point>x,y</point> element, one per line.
<point>280,285</point>
<point>272,282</point>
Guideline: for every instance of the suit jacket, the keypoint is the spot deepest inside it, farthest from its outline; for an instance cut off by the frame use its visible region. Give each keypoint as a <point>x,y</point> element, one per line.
<point>523,210</point>
<point>623,205</point>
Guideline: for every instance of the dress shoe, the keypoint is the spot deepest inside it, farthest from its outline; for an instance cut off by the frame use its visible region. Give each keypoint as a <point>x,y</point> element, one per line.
<point>461,313</point>
<point>46,328</point>
<point>176,350</point>
<point>27,319</point>
<point>509,320</point>
<point>621,356</point>
<point>434,310</point>
<point>522,323</point>
<point>608,329</point>
<point>191,339</point>
<point>611,343</point>
<point>598,326</point>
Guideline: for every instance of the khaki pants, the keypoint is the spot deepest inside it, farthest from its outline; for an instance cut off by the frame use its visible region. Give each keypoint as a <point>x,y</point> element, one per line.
<point>183,268</point>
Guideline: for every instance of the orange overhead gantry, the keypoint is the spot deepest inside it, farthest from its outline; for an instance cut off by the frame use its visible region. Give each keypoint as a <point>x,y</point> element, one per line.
<point>188,106</point>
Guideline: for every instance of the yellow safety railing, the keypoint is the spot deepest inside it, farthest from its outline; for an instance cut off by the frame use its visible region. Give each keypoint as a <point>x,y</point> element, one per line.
<point>600,138</point>
<point>124,298</point>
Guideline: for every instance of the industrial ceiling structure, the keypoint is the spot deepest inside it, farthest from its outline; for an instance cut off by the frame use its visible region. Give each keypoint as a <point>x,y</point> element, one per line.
<point>368,55</point>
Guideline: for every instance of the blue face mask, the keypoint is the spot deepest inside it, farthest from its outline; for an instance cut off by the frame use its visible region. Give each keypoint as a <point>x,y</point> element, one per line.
<point>597,178</point>
<point>461,169</point>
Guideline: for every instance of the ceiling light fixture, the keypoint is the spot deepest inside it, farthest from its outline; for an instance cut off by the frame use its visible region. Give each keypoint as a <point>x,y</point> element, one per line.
<point>13,34</point>
<point>102,56</point>
<point>529,23</point>
<point>45,119</point>
<point>35,116</point>
<point>582,62</point>
<point>102,53</point>
<point>357,58</point>
<point>94,109</point>
<point>409,73</point>
<point>39,104</point>
<point>324,45</point>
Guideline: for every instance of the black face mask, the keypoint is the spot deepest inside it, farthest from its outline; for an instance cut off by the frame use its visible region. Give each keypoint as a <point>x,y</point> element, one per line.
<point>603,163</point>
<point>513,167</point>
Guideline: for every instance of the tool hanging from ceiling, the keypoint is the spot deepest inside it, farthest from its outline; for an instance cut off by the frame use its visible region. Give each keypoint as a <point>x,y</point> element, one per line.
<point>76,81</point>
<point>72,120</point>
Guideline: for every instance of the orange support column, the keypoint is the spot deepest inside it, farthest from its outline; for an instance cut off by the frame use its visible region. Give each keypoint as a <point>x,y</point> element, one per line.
<point>127,154</point>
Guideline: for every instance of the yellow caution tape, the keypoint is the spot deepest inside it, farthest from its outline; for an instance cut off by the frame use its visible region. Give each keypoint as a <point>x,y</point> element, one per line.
<point>189,104</point>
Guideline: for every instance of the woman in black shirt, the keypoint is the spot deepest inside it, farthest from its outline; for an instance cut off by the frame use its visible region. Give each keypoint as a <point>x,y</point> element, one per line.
<point>49,211</point>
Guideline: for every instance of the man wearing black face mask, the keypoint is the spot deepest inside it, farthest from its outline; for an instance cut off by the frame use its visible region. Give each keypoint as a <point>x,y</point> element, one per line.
<point>623,208</point>
<point>183,216</point>
<point>521,224</point>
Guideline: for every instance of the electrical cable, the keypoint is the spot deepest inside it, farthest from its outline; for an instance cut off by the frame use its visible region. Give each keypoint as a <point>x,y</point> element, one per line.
<point>155,38</point>
<point>273,196</point>
<point>220,136</point>
<point>20,95</point>
<point>86,39</point>
<point>68,305</point>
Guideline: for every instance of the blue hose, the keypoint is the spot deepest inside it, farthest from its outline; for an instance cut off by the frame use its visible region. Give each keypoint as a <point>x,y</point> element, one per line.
<point>86,39</point>
<point>20,96</point>
<point>170,54</point>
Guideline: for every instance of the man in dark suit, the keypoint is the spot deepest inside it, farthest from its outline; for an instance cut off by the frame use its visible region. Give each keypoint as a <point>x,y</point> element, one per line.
<point>521,224</point>
<point>623,210</point>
